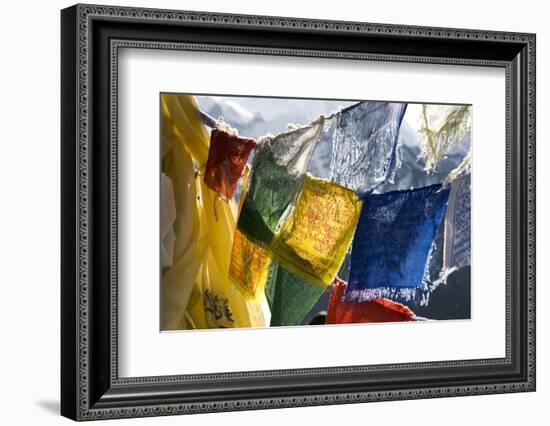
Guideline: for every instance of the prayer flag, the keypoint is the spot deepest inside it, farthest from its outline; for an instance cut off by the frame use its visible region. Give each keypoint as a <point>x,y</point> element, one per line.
<point>278,168</point>
<point>376,310</point>
<point>316,236</point>
<point>227,156</point>
<point>392,242</point>
<point>290,297</point>
<point>364,147</point>
<point>442,126</point>
<point>456,249</point>
<point>249,265</point>
<point>196,289</point>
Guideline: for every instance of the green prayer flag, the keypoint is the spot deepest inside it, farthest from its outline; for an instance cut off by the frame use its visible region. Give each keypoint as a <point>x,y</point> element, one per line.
<point>290,298</point>
<point>270,192</point>
<point>278,169</point>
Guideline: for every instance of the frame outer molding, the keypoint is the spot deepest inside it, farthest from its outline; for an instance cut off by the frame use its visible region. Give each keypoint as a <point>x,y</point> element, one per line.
<point>75,401</point>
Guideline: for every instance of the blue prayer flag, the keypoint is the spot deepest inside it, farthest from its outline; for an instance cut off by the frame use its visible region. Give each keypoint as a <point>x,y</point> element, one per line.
<point>392,243</point>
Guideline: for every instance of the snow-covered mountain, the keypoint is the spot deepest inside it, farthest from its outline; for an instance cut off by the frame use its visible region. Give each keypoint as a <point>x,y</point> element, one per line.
<point>255,117</point>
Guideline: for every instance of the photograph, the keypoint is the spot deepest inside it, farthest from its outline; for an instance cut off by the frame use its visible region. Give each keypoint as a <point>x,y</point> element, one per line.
<point>298,212</point>
<point>269,207</point>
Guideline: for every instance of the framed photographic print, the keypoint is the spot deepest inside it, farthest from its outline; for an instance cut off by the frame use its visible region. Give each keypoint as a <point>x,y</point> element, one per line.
<point>263,212</point>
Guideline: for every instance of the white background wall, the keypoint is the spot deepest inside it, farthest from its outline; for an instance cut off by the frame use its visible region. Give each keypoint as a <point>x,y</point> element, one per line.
<point>29,211</point>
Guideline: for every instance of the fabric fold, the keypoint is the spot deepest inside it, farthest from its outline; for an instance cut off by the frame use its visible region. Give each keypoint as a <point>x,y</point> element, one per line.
<point>168,217</point>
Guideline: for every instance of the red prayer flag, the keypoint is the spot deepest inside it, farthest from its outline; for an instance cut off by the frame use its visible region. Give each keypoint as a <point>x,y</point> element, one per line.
<point>376,310</point>
<point>227,156</point>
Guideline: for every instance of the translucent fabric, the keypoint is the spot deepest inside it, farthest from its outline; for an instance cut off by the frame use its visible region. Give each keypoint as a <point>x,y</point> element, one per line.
<point>316,236</point>
<point>227,158</point>
<point>290,297</point>
<point>395,233</point>
<point>457,246</point>
<point>441,126</point>
<point>197,287</point>
<point>378,310</point>
<point>464,167</point>
<point>190,242</point>
<point>278,168</point>
<point>364,148</point>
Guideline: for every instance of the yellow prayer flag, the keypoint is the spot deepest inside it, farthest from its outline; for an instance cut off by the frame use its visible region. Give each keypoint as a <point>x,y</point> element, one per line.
<point>196,290</point>
<point>249,265</point>
<point>316,236</point>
